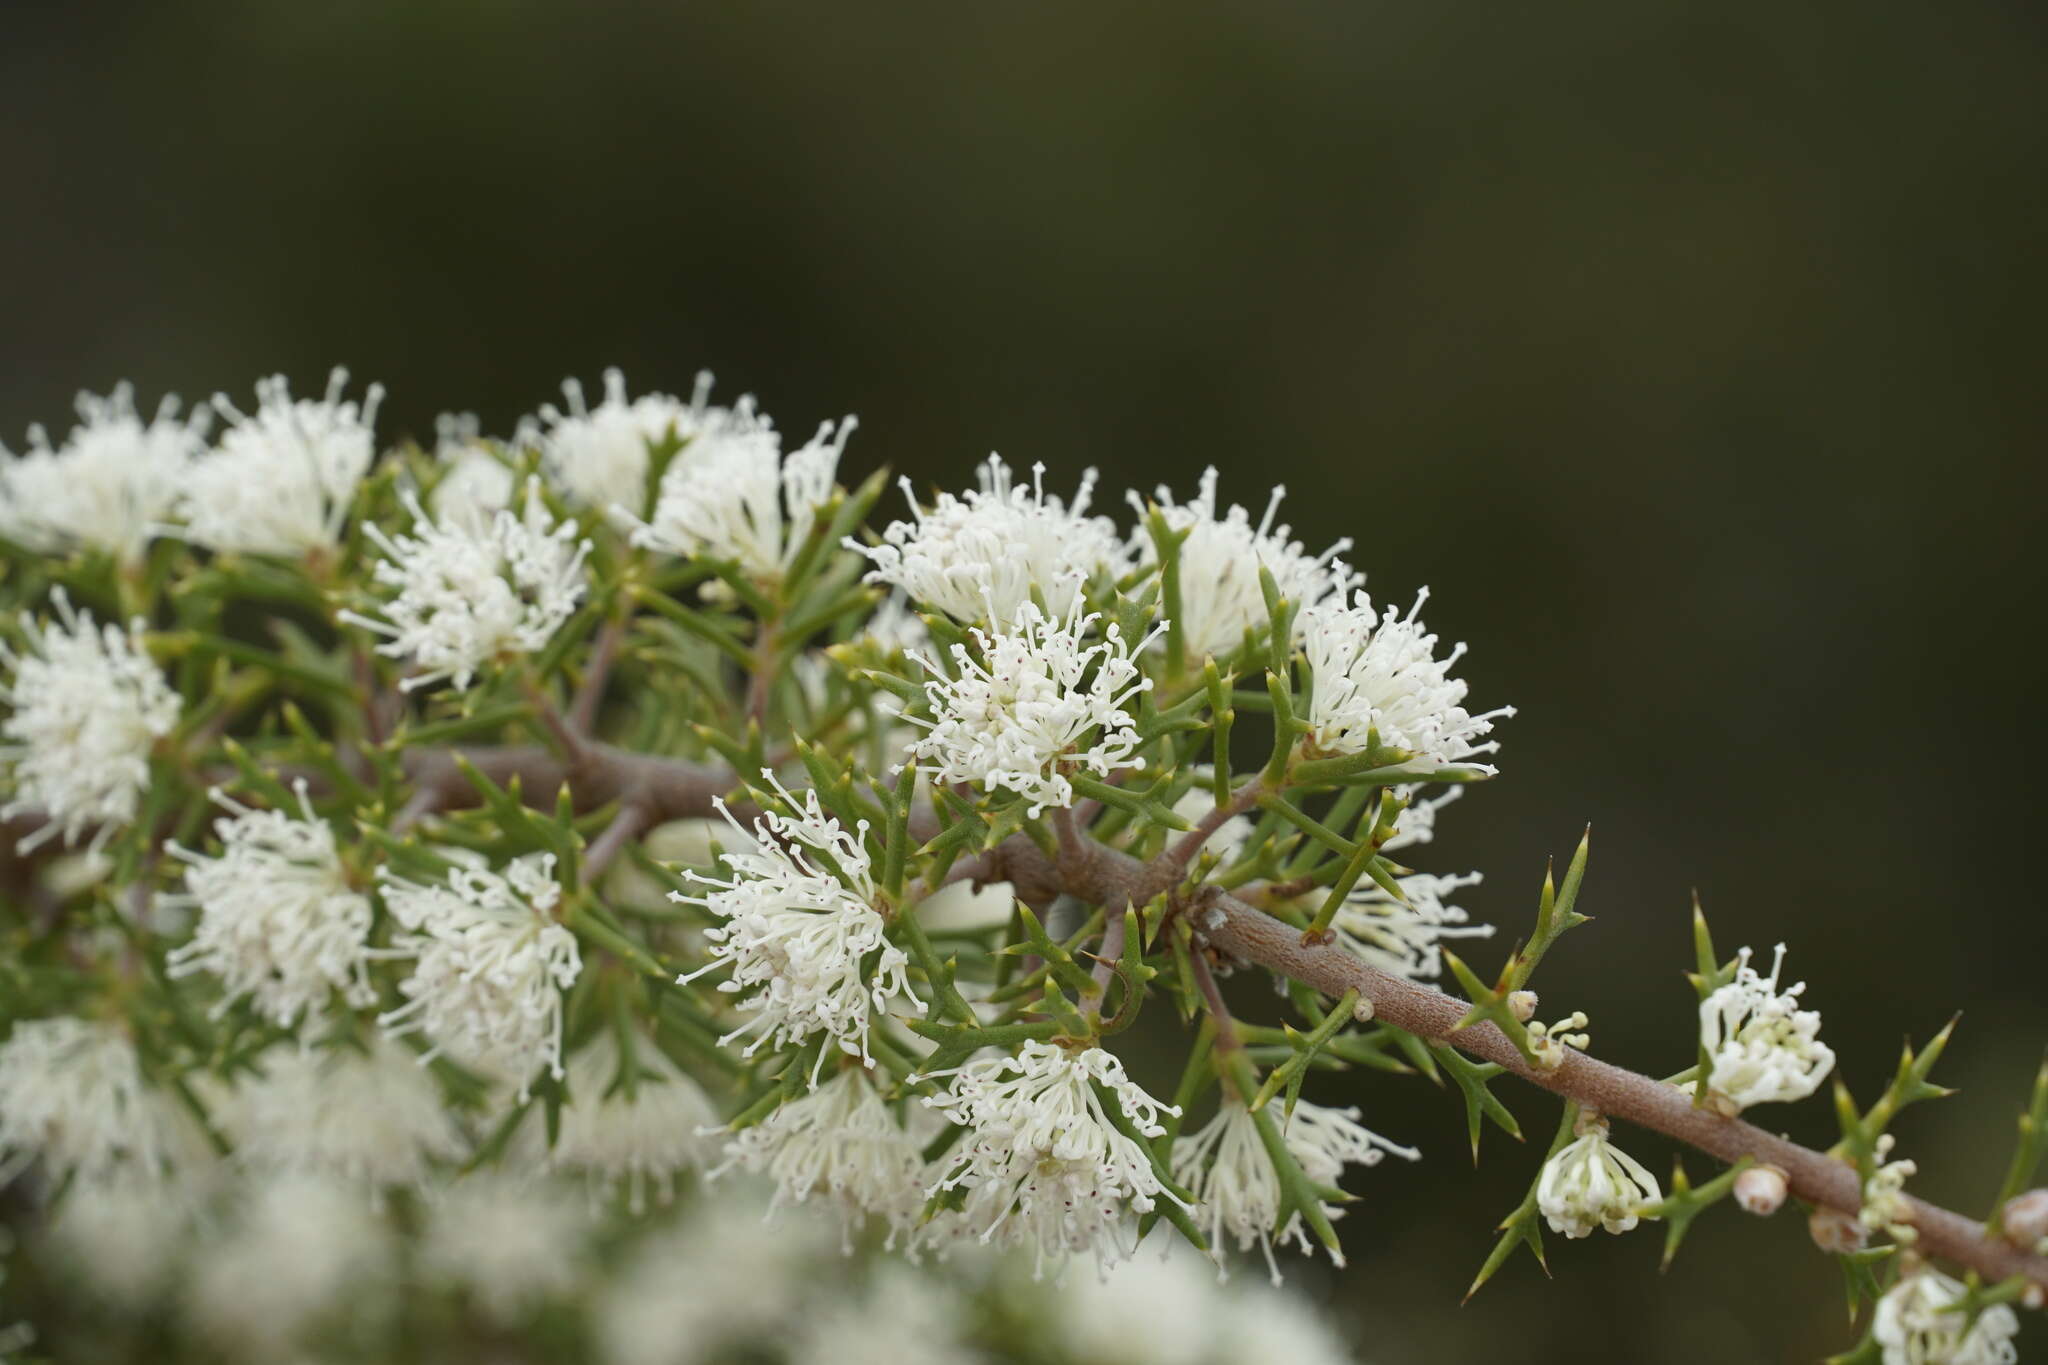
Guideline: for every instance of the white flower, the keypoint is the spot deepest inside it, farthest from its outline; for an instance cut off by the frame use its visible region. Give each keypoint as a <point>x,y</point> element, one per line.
<point>372,1116</point>
<point>475,485</point>
<point>1762,1046</point>
<point>88,705</point>
<point>1885,1207</point>
<point>281,480</point>
<point>1417,824</point>
<point>637,1141</point>
<point>302,1247</point>
<point>895,628</point>
<point>72,1093</point>
<point>513,1244</point>
<point>800,920</point>
<point>468,594</point>
<point>278,921</point>
<point>1022,718</point>
<point>1236,1188</point>
<point>599,456</point>
<point>1591,1183</point>
<point>1915,1326</point>
<point>1405,940</point>
<point>122,1239</point>
<point>1220,596</point>
<point>843,1145</point>
<point>109,487</point>
<point>1376,679</point>
<point>985,553</point>
<point>492,966</point>
<point>725,496</point>
<point>1182,1314</point>
<point>1042,1165</point>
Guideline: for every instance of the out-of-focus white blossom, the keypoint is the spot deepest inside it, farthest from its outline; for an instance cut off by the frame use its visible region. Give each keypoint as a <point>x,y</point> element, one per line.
<point>1220,596</point>
<point>1417,824</point>
<point>371,1117</point>
<point>302,1249</point>
<point>278,922</point>
<point>1406,940</point>
<point>1041,1165</point>
<point>491,967</point>
<point>1377,674</point>
<point>1915,1324</point>
<point>467,593</point>
<point>1763,1047</point>
<point>87,705</point>
<point>1228,840</point>
<point>1236,1188</point>
<point>599,456</point>
<point>109,487</point>
<point>512,1244</point>
<point>733,495</point>
<point>475,484</point>
<point>895,627</point>
<point>72,1093</point>
<point>799,921</point>
<point>124,1238</point>
<point>724,1277</point>
<point>842,1145</point>
<point>984,554</point>
<point>900,1317</point>
<point>639,1141</point>
<point>281,480</point>
<point>1038,705</point>
<point>1591,1183</point>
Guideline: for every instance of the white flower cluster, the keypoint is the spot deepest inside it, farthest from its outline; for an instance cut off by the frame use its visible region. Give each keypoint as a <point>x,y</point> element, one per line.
<point>468,593</point>
<point>1589,1183</point>
<point>279,922</point>
<point>1042,1165</point>
<point>1021,718</point>
<point>110,486</point>
<point>799,924</point>
<point>281,480</point>
<point>1763,1047</point>
<point>88,704</point>
<point>369,1116</point>
<point>1236,1188</point>
<point>732,495</point>
<point>599,455</point>
<point>1916,1323</point>
<point>988,552</point>
<point>72,1094</point>
<point>1220,559</point>
<point>638,1140</point>
<point>1884,1195</point>
<point>299,1247</point>
<point>1377,682</point>
<point>491,966</point>
<point>512,1244</point>
<point>842,1144</point>
<point>1405,938</point>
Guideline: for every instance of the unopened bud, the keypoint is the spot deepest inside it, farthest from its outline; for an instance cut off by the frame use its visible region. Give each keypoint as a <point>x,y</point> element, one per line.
<point>2025,1219</point>
<point>1522,1004</point>
<point>1760,1190</point>
<point>1362,1011</point>
<point>1836,1232</point>
<point>2034,1296</point>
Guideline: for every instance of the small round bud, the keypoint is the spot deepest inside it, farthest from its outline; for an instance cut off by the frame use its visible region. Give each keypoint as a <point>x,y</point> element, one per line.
<point>1760,1190</point>
<point>2034,1296</point>
<point>1362,1011</point>
<point>2025,1219</point>
<point>1835,1232</point>
<point>1522,1004</point>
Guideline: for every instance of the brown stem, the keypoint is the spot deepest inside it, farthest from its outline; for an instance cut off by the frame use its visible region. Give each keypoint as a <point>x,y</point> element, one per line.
<point>624,828</point>
<point>1176,859</point>
<point>590,692</point>
<point>671,788</point>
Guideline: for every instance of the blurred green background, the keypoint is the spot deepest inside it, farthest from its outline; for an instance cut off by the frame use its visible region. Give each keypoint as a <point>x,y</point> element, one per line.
<point>1689,352</point>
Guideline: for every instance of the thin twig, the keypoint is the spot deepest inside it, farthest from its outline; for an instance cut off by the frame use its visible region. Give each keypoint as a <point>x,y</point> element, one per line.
<point>590,692</point>
<point>631,820</point>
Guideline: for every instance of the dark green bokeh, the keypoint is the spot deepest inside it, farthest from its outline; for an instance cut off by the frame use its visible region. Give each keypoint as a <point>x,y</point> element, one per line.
<point>1689,353</point>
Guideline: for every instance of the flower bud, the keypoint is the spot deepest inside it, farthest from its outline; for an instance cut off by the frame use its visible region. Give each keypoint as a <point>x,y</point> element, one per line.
<point>1835,1232</point>
<point>1760,1190</point>
<point>1522,1004</point>
<point>2025,1219</point>
<point>1362,1011</point>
